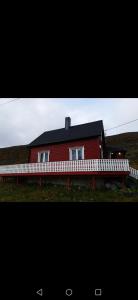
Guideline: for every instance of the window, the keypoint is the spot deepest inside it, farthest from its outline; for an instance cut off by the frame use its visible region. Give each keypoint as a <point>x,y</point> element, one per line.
<point>79,153</point>
<point>43,156</point>
<point>76,153</point>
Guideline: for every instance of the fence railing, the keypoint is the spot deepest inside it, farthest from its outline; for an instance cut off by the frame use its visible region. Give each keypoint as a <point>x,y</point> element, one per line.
<point>133,173</point>
<point>88,165</point>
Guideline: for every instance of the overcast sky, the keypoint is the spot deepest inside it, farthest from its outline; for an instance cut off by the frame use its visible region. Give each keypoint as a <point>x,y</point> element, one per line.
<point>22,120</point>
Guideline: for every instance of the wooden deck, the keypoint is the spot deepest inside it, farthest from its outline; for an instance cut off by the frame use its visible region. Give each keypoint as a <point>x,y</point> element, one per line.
<point>81,167</point>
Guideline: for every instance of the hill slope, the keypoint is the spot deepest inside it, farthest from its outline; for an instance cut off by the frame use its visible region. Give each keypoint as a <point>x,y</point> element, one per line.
<point>128,140</point>
<point>19,154</point>
<point>14,155</point>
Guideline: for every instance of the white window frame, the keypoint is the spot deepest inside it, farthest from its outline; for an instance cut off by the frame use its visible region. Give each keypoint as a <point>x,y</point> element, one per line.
<point>76,148</point>
<point>101,149</point>
<point>39,153</point>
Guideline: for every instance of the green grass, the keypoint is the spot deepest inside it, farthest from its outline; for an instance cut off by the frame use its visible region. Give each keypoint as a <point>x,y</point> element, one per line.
<point>10,192</point>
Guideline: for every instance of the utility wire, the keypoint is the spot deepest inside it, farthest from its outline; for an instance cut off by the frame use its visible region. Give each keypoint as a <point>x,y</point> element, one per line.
<point>104,130</point>
<point>121,125</point>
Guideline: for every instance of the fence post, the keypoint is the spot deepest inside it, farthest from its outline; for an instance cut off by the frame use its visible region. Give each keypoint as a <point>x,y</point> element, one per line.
<point>68,185</point>
<point>123,182</point>
<point>17,180</point>
<point>40,181</point>
<point>93,183</point>
<point>3,179</point>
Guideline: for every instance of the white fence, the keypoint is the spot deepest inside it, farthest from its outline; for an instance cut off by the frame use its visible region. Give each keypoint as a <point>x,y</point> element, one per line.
<point>133,173</point>
<point>88,165</point>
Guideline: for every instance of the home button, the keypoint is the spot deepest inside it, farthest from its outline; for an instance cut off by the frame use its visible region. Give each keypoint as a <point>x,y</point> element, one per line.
<point>69,292</point>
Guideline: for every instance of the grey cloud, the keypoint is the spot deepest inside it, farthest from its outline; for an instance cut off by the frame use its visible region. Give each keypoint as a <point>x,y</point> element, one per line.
<point>22,121</point>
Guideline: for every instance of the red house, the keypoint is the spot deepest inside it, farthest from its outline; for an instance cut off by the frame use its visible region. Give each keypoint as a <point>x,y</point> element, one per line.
<point>74,154</point>
<point>79,142</point>
<point>76,148</point>
<point>70,143</point>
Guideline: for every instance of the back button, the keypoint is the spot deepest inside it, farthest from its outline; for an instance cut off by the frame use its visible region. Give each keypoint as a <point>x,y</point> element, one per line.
<point>40,292</point>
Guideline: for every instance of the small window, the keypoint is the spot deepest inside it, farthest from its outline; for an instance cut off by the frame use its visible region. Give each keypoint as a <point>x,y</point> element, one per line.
<point>74,156</point>
<point>77,153</point>
<point>43,157</point>
<point>80,153</point>
<point>46,156</point>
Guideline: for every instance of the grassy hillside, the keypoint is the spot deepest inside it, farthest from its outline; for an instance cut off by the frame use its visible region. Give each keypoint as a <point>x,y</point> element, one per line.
<point>11,192</point>
<point>14,155</point>
<point>19,154</point>
<point>128,140</point>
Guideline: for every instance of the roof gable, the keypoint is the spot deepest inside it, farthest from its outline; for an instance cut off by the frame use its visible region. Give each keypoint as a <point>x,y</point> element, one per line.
<point>82,131</point>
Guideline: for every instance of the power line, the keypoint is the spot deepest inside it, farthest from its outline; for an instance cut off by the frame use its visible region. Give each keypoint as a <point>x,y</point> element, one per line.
<point>10,101</point>
<point>104,130</point>
<point>121,125</point>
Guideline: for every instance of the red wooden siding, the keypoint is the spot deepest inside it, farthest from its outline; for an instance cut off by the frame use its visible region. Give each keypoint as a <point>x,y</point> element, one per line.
<point>60,152</point>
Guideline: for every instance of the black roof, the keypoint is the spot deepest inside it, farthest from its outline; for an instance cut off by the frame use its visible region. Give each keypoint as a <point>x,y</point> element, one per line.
<point>77,132</point>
